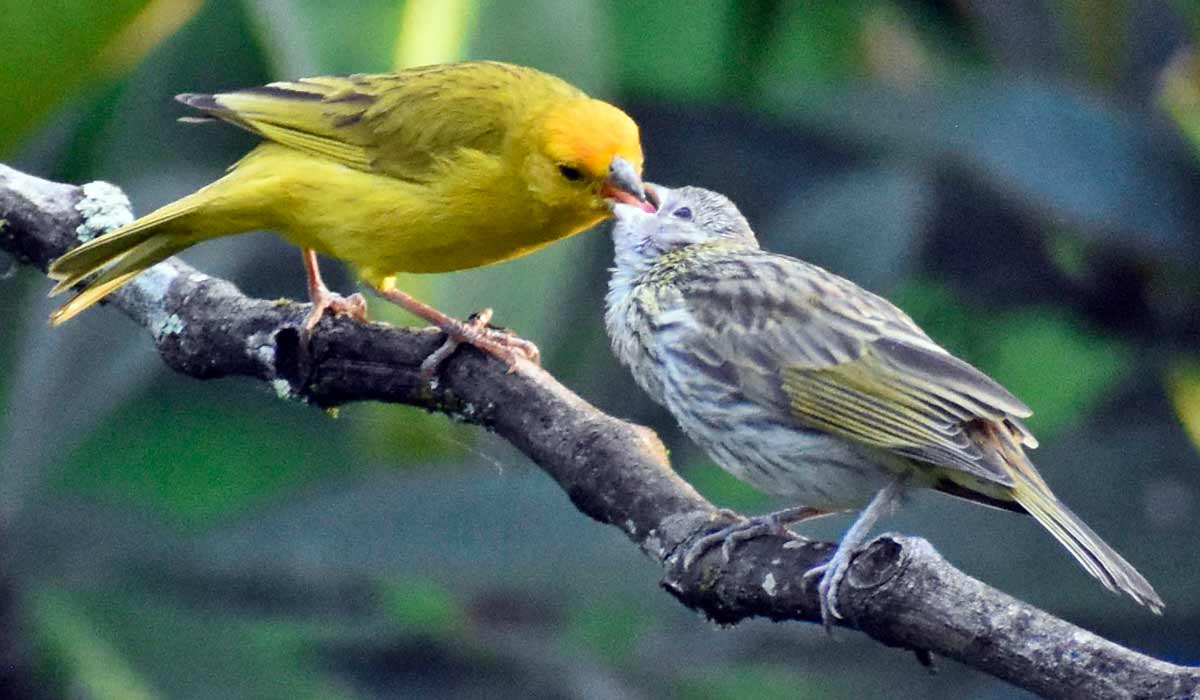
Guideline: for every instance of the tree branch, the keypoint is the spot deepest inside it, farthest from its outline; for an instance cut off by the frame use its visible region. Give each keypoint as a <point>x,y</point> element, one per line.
<point>899,590</point>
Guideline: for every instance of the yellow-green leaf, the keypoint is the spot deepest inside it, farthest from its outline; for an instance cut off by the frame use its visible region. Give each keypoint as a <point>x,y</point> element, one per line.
<point>1183,386</point>
<point>52,48</point>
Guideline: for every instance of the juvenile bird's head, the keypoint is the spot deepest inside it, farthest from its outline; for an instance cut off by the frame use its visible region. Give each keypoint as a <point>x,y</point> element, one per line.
<point>686,217</point>
<point>589,157</point>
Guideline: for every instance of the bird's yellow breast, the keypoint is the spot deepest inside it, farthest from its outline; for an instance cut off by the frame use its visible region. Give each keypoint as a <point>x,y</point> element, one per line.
<point>472,211</point>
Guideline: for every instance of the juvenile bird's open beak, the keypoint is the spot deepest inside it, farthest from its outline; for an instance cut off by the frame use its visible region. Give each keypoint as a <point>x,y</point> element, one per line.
<point>625,185</point>
<point>637,213</point>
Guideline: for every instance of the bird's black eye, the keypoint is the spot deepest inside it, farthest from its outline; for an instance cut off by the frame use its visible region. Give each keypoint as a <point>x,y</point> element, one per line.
<point>570,173</point>
<point>682,213</point>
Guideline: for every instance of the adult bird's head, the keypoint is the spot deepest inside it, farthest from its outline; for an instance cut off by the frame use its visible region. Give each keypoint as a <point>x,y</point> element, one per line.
<point>590,157</point>
<point>686,217</point>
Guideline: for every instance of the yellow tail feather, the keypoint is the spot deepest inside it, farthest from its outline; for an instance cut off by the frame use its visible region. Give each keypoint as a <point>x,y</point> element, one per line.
<point>129,264</point>
<point>1089,550</point>
<point>73,278</point>
<point>100,252</point>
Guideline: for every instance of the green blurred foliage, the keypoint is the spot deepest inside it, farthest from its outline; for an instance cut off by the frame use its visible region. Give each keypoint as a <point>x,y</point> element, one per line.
<point>610,628</point>
<point>1183,382</point>
<point>315,33</point>
<point>423,607</point>
<point>175,473</point>
<point>719,486</point>
<point>55,44</point>
<point>170,648</point>
<point>810,43</point>
<point>1023,349</point>
<point>743,681</point>
<point>77,657</point>
<point>1039,343</point>
<point>670,66</point>
<point>1017,177</point>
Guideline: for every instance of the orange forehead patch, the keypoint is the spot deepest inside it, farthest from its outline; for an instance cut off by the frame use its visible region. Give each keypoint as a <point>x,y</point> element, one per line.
<point>587,133</point>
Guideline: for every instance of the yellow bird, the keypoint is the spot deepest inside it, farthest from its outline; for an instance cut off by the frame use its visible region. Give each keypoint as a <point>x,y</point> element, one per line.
<point>431,169</point>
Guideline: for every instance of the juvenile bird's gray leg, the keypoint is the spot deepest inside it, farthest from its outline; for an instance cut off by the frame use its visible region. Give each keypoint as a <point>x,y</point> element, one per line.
<point>835,569</point>
<point>748,529</point>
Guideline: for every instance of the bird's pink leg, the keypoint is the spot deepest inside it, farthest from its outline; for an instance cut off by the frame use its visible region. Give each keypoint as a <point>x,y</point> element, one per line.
<point>354,306</point>
<point>501,344</point>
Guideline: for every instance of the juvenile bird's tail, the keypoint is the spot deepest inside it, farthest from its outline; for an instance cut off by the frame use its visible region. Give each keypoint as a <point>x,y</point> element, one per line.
<point>122,254</point>
<point>1089,550</point>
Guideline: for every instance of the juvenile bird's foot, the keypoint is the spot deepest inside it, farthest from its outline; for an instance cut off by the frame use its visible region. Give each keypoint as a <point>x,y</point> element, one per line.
<point>747,529</point>
<point>831,572</point>
<point>499,343</point>
<point>354,306</point>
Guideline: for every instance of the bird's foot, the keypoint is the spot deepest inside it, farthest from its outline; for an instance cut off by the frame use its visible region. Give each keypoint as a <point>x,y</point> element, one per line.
<point>831,572</point>
<point>497,342</point>
<point>747,529</point>
<point>354,306</point>
<point>729,536</point>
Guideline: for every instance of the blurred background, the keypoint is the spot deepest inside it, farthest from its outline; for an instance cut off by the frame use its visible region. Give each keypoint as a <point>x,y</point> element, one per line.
<point>1021,177</point>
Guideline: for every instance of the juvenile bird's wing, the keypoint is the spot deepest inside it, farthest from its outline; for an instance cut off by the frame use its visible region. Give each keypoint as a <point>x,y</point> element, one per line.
<point>840,359</point>
<point>398,124</point>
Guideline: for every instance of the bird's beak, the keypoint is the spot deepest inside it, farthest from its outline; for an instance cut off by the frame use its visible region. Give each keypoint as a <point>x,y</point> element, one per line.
<point>624,185</point>
<point>637,212</point>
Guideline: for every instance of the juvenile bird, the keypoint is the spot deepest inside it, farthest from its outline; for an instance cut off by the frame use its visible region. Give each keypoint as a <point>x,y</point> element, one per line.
<point>430,169</point>
<point>808,387</point>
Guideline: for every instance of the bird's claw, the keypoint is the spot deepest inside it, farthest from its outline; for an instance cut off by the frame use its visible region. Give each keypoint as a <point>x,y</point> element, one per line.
<point>510,347</point>
<point>831,572</point>
<point>748,528</point>
<point>354,306</point>
<point>730,535</point>
<point>499,343</point>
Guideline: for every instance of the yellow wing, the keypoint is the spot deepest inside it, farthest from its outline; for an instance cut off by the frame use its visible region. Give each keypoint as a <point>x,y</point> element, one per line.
<point>847,362</point>
<point>398,124</point>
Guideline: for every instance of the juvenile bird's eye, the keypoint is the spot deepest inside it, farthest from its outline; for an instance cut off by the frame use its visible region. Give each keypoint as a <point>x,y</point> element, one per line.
<point>683,213</point>
<point>570,173</point>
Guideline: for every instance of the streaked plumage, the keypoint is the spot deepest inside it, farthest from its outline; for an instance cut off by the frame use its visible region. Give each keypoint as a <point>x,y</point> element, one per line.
<point>811,388</point>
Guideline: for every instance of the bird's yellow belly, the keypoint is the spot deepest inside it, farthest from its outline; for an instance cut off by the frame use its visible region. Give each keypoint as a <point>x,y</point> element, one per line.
<point>383,225</point>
